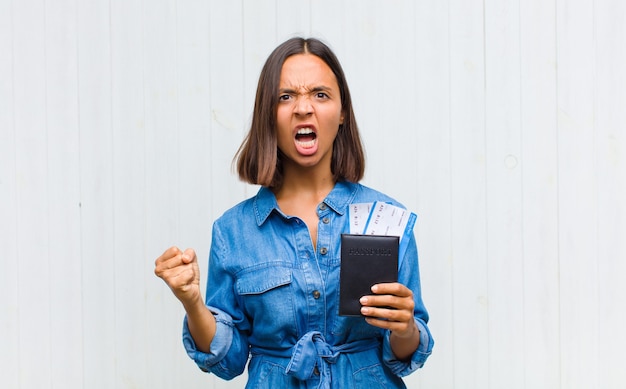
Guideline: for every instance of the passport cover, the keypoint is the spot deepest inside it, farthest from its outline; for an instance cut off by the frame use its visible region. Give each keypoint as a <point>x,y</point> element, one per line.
<point>365,260</point>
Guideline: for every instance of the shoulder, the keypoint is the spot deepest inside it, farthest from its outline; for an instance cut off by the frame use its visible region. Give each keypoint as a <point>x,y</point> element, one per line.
<point>250,212</point>
<point>240,211</point>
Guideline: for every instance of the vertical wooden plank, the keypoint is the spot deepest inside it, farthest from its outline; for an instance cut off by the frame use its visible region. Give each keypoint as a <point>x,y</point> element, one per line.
<point>468,205</point>
<point>96,178</point>
<point>504,194</point>
<point>433,229</point>
<point>127,114</point>
<point>32,190</point>
<point>540,194</point>
<point>610,57</point>
<point>63,181</point>
<point>577,185</point>
<point>9,292</point>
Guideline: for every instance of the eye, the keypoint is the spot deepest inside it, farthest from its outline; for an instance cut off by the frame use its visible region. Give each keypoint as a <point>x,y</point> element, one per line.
<point>321,95</point>
<point>284,97</point>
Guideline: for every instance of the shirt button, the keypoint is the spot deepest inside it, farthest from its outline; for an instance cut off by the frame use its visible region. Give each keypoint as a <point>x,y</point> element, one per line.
<point>316,294</point>
<point>325,220</point>
<point>323,251</point>
<point>323,206</point>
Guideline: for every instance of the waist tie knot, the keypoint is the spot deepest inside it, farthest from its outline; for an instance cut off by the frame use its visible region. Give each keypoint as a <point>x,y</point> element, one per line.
<point>311,350</point>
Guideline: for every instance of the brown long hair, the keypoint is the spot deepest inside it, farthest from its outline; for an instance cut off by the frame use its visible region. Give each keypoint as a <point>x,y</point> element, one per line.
<point>259,160</point>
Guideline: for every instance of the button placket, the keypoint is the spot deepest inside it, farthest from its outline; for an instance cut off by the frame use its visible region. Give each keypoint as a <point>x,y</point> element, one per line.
<point>322,211</point>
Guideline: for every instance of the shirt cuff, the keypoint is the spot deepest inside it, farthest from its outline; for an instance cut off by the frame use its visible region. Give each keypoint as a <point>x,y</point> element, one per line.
<point>219,346</point>
<point>404,368</point>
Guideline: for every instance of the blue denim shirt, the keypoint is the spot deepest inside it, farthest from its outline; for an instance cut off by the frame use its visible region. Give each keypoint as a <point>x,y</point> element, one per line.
<point>275,299</point>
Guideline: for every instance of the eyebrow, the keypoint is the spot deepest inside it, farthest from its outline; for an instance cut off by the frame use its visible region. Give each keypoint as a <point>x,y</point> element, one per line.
<point>320,88</point>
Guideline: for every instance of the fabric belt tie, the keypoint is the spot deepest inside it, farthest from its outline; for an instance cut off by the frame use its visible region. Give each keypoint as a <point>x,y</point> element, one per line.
<point>311,350</point>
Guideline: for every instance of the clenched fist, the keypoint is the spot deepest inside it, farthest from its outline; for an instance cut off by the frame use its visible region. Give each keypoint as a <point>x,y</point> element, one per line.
<point>181,273</point>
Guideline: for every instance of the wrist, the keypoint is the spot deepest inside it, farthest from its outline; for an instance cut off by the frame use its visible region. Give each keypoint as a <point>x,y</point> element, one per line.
<point>194,305</point>
<point>409,333</point>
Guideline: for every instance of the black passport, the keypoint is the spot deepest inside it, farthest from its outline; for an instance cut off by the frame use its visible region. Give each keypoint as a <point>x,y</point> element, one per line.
<point>365,260</point>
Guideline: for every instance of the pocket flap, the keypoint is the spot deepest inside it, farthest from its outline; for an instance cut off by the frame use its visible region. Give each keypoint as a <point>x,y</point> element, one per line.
<point>260,280</point>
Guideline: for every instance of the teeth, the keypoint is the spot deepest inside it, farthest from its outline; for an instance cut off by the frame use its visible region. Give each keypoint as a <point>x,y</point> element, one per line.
<point>307,144</point>
<point>305,131</point>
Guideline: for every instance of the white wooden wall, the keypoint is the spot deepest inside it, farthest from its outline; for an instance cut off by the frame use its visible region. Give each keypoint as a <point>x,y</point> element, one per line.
<point>500,122</point>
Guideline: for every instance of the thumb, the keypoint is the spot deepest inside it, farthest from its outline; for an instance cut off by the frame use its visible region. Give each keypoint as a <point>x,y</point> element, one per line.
<point>189,256</point>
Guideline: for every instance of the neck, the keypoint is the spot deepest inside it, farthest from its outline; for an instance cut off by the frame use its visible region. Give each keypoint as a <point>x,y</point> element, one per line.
<point>313,184</point>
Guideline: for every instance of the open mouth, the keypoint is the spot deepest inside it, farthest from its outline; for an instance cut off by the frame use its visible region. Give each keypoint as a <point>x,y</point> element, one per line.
<point>305,137</point>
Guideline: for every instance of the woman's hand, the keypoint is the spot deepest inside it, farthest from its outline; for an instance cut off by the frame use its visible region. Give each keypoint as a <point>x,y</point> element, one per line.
<point>391,308</point>
<point>181,273</point>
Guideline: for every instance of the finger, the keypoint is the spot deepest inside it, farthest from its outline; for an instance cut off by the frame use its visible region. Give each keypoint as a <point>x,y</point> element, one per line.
<point>386,300</point>
<point>394,326</point>
<point>167,254</point>
<point>392,288</point>
<point>169,260</point>
<point>387,312</point>
<point>189,256</point>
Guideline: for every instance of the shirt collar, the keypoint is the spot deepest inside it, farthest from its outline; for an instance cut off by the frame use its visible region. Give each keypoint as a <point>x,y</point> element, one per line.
<point>338,200</point>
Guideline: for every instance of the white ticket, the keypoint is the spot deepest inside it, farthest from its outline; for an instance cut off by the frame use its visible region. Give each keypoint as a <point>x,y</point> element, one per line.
<point>387,219</point>
<point>359,213</point>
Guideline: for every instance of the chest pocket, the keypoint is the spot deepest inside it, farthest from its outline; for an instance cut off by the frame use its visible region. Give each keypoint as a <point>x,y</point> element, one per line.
<point>267,297</point>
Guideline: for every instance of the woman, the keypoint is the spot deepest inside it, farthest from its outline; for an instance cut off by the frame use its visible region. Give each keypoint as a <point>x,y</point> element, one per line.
<point>273,287</point>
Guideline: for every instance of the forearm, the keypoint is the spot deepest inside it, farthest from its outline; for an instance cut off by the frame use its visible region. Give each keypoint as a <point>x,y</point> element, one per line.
<point>201,323</point>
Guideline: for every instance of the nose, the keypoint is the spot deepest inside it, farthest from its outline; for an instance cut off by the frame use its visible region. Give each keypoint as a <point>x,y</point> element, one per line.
<point>303,106</point>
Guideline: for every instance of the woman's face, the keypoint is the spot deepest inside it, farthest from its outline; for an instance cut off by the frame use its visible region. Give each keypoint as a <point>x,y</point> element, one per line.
<point>309,111</point>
